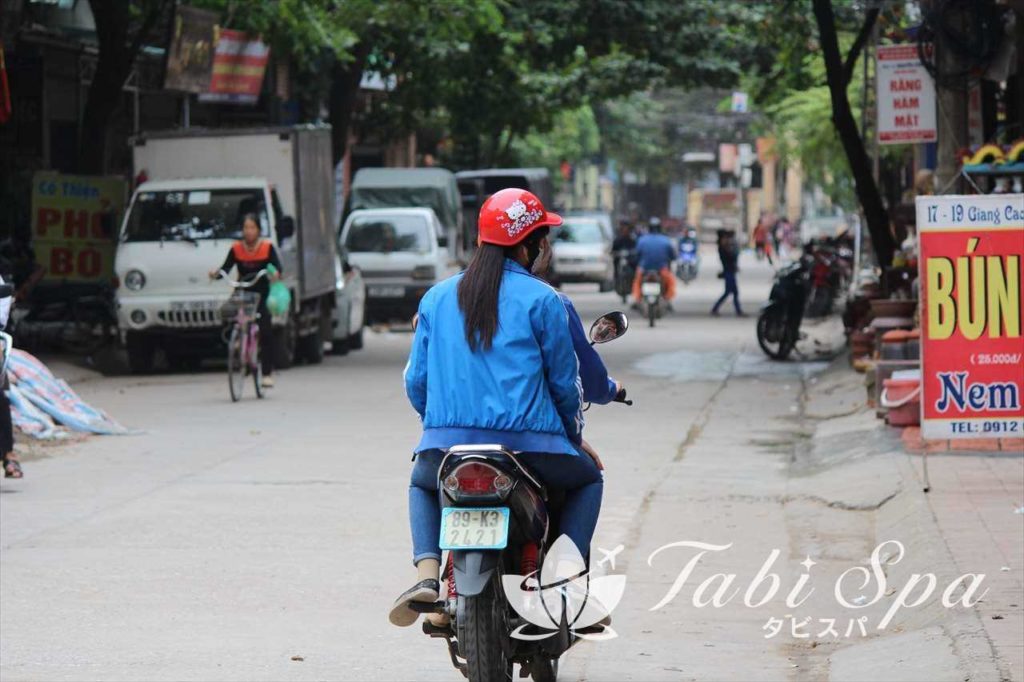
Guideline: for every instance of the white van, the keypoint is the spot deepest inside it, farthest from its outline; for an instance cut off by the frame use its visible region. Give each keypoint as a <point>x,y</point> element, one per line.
<point>400,253</point>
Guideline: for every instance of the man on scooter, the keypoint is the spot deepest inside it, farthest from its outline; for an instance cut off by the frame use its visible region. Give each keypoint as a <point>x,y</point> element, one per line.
<point>656,253</point>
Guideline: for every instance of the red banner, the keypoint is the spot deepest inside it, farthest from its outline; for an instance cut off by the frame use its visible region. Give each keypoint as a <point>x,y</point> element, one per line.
<point>971,279</point>
<point>239,63</point>
<point>5,93</point>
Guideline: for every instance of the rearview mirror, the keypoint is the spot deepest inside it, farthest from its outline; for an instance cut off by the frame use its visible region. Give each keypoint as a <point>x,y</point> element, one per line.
<point>286,228</point>
<point>608,327</point>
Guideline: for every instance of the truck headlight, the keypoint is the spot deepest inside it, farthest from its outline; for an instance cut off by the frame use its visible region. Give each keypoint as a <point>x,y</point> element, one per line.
<point>424,272</point>
<point>134,280</point>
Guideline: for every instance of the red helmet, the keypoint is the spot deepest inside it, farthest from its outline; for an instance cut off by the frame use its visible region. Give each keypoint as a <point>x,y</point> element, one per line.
<point>510,215</point>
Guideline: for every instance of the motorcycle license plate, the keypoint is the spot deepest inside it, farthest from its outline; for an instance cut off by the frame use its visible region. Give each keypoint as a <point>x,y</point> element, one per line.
<point>478,528</point>
<point>650,289</point>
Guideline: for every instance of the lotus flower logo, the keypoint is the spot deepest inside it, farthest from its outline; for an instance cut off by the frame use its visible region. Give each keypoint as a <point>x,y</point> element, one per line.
<point>563,592</point>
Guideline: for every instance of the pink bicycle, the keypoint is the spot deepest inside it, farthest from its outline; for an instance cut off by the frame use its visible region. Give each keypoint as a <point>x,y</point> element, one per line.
<point>244,337</point>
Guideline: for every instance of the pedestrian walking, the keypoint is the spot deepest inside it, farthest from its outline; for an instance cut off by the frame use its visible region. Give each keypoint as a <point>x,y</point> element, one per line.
<point>8,459</point>
<point>761,234</point>
<point>728,253</point>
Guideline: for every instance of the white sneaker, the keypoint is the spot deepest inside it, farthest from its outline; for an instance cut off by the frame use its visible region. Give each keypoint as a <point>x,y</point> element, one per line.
<point>267,382</point>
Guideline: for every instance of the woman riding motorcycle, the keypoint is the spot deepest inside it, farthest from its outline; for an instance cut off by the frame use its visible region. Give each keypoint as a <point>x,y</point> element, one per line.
<point>492,361</point>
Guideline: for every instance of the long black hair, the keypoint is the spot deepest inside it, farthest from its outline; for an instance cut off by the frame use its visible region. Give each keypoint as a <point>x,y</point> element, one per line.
<point>481,284</point>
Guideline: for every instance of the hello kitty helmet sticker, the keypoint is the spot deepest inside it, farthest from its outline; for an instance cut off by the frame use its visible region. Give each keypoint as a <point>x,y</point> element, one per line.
<point>510,215</point>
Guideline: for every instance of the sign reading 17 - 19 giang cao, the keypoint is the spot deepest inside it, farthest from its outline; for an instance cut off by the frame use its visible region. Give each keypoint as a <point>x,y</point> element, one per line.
<point>972,375</point>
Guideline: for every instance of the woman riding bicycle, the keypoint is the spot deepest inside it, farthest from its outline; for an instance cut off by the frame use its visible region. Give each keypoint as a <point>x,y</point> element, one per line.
<point>492,361</point>
<point>250,255</point>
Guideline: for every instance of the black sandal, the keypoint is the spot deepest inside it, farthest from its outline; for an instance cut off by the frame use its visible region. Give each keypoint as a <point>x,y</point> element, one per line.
<point>423,591</point>
<point>12,468</point>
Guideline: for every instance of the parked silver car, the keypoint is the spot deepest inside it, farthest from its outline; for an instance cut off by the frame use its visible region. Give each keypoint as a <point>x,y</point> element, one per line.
<point>583,253</point>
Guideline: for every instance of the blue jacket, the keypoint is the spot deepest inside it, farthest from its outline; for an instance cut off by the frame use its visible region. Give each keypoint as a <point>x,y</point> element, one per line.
<point>524,392</point>
<point>655,251</point>
<point>598,387</point>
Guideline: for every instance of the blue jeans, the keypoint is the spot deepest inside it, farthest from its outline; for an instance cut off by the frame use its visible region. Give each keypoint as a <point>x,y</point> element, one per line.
<point>577,475</point>
<point>730,289</point>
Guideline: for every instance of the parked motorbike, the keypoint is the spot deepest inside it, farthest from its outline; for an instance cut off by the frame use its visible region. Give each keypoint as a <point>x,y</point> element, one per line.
<point>688,263</point>
<point>778,325</point>
<point>625,271</point>
<point>819,300</point>
<point>78,319</point>
<point>498,520</point>
<point>830,271</point>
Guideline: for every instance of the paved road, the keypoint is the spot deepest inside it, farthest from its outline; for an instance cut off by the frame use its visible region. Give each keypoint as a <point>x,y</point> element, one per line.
<point>228,539</point>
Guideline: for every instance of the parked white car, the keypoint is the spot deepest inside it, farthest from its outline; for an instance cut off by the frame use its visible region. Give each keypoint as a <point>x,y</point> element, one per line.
<point>602,217</point>
<point>583,253</point>
<point>400,253</point>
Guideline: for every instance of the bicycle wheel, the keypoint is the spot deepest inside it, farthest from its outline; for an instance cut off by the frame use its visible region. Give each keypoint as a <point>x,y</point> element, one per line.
<point>255,364</point>
<point>236,364</point>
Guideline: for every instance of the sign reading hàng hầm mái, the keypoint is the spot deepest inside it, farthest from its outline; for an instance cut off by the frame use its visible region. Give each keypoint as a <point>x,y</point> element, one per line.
<point>905,96</point>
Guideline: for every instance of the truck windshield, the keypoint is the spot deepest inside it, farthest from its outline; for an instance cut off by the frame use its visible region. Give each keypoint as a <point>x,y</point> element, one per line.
<point>388,234</point>
<point>191,215</point>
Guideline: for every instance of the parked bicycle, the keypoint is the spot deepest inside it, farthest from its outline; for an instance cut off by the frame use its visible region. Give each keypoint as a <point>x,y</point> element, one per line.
<point>243,340</point>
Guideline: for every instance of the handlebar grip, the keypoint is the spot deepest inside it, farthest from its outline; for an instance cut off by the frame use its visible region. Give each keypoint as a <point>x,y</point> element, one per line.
<point>620,397</point>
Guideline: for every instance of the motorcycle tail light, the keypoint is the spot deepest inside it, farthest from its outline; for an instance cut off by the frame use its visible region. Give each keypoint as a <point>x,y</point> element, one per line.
<point>475,478</point>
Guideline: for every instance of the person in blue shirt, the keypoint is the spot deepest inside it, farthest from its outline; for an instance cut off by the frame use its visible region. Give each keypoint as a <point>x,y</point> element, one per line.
<point>492,361</point>
<point>655,253</point>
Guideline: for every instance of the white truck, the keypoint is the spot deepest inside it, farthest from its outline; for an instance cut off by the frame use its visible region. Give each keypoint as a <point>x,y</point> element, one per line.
<point>183,219</point>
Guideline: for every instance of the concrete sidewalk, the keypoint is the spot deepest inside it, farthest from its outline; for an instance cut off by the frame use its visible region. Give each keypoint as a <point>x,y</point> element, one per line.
<point>977,499</point>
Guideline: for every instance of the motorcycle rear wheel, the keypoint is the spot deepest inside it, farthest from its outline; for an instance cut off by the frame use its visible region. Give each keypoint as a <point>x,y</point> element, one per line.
<point>480,640</point>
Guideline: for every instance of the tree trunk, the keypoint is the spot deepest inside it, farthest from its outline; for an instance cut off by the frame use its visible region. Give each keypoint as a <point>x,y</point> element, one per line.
<point>100,105</point>
<point>345,80</point>
<point>117,52</point>
<point>846,127</point>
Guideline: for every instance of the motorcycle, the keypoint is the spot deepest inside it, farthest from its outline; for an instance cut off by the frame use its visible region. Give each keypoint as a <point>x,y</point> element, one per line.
<point>778,325</point>
<point>625,270</point>
<point>498,523</point>
<point>819,301</point>
<point>652,294</point>
<point>80,319</point>
<point>830,271</point>
<point>688,263</point>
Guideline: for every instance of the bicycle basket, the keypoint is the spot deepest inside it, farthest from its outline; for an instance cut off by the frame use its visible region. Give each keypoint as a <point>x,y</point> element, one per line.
<point>240,301</point>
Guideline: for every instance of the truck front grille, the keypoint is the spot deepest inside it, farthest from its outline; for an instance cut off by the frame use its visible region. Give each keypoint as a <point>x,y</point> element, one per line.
<point>190,318</point>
